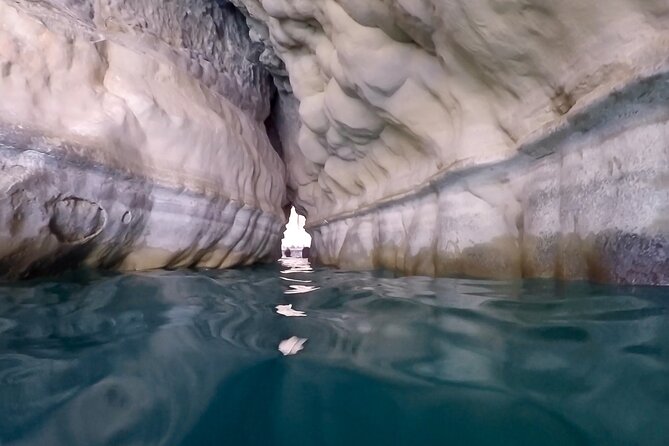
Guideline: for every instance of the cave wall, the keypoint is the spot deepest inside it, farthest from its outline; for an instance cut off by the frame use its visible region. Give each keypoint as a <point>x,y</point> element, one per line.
<point>132,137</point>
<point>487,138</point>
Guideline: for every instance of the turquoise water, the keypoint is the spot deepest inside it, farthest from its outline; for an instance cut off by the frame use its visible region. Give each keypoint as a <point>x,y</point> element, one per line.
<point>186,358</point>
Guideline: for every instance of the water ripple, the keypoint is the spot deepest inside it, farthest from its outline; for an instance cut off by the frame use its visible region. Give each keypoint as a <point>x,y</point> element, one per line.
<point>202,357</point>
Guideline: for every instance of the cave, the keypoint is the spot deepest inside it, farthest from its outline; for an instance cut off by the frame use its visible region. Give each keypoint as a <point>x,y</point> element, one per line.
<point>334,222</point>
<point>409,142</point>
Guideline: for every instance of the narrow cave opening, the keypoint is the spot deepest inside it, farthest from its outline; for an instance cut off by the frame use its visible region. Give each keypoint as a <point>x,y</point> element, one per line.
<point>296,241</point>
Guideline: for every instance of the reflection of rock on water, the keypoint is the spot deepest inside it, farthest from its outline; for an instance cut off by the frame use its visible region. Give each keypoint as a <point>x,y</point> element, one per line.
<point>149,359</point>
<point>119,369</point>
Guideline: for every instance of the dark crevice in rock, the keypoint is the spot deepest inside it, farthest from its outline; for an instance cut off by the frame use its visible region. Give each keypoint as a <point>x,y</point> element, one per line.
<point>271,125</point>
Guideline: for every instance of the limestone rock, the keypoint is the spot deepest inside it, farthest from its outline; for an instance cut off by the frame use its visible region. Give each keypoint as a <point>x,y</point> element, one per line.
<point>132,137</point>
<point>487,138</point>
<point>484,138</point>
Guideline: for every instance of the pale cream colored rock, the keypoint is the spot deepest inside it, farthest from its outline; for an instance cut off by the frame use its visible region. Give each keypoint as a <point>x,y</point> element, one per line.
<point>151,113</point>
<point>423,125</point>
<point>490,138</point>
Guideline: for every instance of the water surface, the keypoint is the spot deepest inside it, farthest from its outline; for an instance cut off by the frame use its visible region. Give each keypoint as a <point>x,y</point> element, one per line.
<point>204,358</point>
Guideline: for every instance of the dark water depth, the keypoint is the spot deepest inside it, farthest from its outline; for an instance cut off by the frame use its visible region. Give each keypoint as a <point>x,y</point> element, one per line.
<point>188,358</point>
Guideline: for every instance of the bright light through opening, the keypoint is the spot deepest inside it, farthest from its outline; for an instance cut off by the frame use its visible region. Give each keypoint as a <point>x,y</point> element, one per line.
<point>295,236</point>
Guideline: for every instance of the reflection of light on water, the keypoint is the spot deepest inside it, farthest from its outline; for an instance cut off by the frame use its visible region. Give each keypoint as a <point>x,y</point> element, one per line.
<point>296,280</point>
<point>292,346</point>
<point>295,265</point>
<point>300,269</point>
<point>152,358</point>
<point>293,271</point>
<point>287,310</point>
<point>300,289</point>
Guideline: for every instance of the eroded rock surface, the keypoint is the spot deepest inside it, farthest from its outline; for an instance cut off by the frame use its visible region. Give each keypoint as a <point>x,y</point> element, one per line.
<point>485,138</point>
<point>493,138</point>
<point>132,137</point>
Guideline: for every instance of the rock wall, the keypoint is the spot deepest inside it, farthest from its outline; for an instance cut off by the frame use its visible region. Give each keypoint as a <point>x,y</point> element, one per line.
<point>491,138</point>
<point>132,137</point>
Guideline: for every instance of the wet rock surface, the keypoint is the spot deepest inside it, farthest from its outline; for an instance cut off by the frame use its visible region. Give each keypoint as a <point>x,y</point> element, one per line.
<point>132,136</point>
<point>458,137</point>
<point>428,137</point>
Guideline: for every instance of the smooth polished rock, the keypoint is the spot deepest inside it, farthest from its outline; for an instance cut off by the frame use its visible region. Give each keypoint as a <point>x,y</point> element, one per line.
<point>484,138</point>
<point>132,136</point>
<point>585,205</point>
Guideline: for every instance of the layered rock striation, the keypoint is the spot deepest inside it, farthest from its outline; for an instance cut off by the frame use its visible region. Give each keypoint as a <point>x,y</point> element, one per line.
<point>480,138</point>
<point>132,136</point>
<point>487,138</point>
